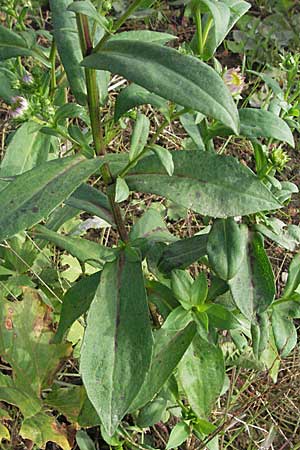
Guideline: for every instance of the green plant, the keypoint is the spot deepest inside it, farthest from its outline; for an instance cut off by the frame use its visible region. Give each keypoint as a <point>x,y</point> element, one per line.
<point>132,361</point>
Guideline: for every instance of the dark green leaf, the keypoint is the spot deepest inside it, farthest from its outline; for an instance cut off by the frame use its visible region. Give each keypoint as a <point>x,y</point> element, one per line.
<point>87,8</point>
<point>34,194</point>
<point>27,149</point>
<point>178,435</point>
<point>84,441</point>
<point>152,413</point>
<point>221,318</point>
<point>182,79</point>
<point>12,44</point>
<point>253,287</point>
<point>183,253</point>
<point>165,157</point>
<point>285,333</point>
<point>91,200</point>
<point>151,226</point>
<point>154,37</point>
<point>139,136</point>
<point>201,373</point>
<point>225,247</point>
<point>76,302</point>
<point>169,347</point>
<point>262,123</point>
<point>86,251</point>
<point>67,41</point>
<point>209,184</point>
<point>135,95</point>
<point>117,347</point>
<point>293,280</point>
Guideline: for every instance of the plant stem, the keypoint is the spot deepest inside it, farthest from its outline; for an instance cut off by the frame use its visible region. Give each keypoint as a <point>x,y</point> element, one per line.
<point>119,23</point>
<point>52,58</point>
<point>198,20</point>
<point>206,31</point>
<point>94,110</point>
<point>91,85</point>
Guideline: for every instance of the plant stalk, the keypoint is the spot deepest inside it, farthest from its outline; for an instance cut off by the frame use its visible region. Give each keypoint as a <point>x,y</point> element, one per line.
<point>94,110</point>
<point>118,23</point>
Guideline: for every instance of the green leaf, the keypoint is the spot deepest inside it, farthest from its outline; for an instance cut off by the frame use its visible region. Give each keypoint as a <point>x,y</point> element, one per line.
<point>67,41</point>
<point>178,319</point>
<point>181,282</point>
<point>293,280</point>
<point>117,347</point>
<point>188,121</point>
<point>42,428</point>
<point>134,95</point>
<point>199,290</point>
<point>285,333</point>
<point>70,110</point>
<point>183,253</point>
<point>91,200</point>
<point>201,373</point>
<point>139,136</point>
<point>169,347</point>
<point>27,149</point>
<point>86,251</point>
<point>12,44</point>
<point>165,157</point>
<point>122,190</point>
<point>155,37</point>
<point>182,79</point>
<point>209,184</point>
<point>152,413</point>
<point>7,79</point>
<point>178,435</point>
<point>225,248</point>
<point>83,441</point>
<point>34,194</point>
<point>253,287</point>
<point>278,231</point>
<point>260,334</point>
<point>221,16</point>
<point>221,318</point>
<point>151,226</point>
<point>76,302</point>
<point>88,9</point>
<point>262,123</point>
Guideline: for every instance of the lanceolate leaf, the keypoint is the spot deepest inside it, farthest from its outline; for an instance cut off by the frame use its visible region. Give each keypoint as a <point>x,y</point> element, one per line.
<point>262,123</point>
<point>169,347</point>
<point>27,149</point>
<point>183,253</point>
<point>207,183</point>
<point>67,41</point>
<point>154,37</point>
<point>253,287</point>
<point>34,194</point>
<point>225,247</point>
<point>182,79</point>
<point>293,280</point>
<point>201,373</point>
<point>135,95</point>
<point>86,251</point>
<point>89,199</point>
<point>117,347</point>
<point>285,333</point>
<point>12,44</point>
<point>76,302</point>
